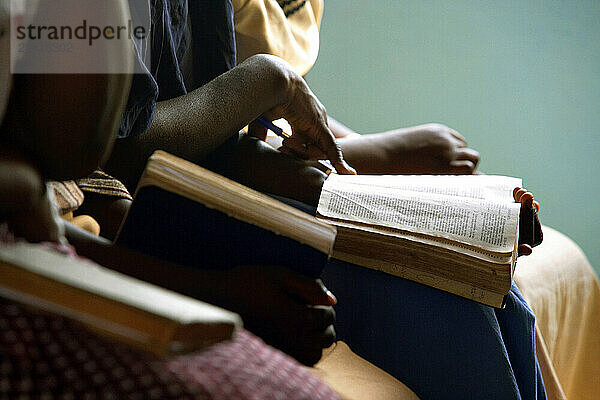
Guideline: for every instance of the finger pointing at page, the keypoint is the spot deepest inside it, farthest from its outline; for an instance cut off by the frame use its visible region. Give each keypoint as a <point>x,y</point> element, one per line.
<point>311,137</point>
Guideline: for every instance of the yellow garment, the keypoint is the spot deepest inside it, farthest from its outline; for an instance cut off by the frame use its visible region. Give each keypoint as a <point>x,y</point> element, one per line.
<point>261,26</point>
<point>87,223</point>
<point>84,222</point>
<point>355,378</point>
<point>562,289</point>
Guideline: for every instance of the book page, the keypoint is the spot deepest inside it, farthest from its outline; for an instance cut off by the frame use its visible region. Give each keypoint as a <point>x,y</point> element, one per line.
<point>488,220</point>
<point>472,186</point>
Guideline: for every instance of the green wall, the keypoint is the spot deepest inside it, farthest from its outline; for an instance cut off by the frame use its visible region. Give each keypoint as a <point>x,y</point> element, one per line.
<point>519,79</point>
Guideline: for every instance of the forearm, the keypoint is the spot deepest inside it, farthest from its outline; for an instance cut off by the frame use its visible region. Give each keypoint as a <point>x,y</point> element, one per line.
<point>258,165</point>
<point>193,125</point>
<point>364,153</point>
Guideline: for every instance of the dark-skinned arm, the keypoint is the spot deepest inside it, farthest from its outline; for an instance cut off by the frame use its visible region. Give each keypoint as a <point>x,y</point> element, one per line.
<point>423,149</point>
<point>138,265</point>
<point>194,125</point>
<point>260,166</point>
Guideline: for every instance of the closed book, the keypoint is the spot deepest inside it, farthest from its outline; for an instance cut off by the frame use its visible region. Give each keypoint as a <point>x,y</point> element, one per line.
<point>113,304</point>
<point>186,214</point>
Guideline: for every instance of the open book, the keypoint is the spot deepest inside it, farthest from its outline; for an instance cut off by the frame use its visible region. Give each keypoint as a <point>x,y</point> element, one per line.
<point>454,233</point>
<point>111,303</point>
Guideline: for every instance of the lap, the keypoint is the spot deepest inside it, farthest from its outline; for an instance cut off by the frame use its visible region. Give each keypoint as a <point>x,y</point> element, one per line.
<point>355,378</point>
<point>440,345</point>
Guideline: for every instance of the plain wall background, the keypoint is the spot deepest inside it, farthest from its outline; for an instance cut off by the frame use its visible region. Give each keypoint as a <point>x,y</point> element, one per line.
<point>519,79</point>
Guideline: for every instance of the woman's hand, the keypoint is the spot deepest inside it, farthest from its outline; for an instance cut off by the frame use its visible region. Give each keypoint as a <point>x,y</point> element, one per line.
<point>311,137</point>
<point>289,311</point>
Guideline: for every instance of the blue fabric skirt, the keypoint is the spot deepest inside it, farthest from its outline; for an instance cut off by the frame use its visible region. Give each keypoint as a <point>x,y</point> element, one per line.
<point>440,345</point>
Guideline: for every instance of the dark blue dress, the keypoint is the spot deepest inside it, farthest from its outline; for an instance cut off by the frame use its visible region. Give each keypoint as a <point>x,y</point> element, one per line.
<point>440,345</point>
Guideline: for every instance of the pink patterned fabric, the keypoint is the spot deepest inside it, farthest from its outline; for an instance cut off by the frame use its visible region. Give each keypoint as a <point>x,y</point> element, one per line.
<point>47,357</point>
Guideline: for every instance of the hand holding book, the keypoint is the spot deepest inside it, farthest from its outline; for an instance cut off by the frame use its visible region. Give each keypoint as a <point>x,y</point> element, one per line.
<point>236,235</point>
<point>456,233</point>
<point>530,229</point>
<point>289,311</point>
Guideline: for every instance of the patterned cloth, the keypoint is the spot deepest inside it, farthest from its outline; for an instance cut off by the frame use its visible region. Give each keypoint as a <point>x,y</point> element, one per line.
<point>47,357</point>
<point>102,183</point>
